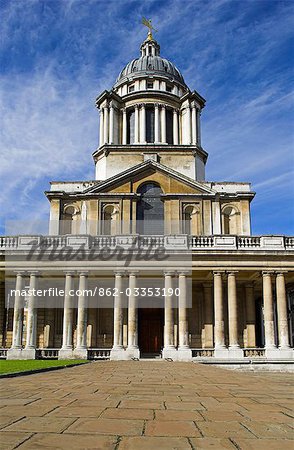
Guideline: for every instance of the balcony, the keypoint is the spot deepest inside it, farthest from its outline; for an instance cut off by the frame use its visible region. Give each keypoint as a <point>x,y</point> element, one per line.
<point>179,242</point>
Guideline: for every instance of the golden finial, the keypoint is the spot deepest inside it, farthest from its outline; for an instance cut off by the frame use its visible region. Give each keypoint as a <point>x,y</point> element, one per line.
<point>148,24</point>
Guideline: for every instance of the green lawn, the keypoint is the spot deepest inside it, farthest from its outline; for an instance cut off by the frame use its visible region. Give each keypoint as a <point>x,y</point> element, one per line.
<point>21,366</point>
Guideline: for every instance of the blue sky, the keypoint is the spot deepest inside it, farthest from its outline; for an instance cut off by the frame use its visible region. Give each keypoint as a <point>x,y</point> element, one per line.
<point>57,56</point>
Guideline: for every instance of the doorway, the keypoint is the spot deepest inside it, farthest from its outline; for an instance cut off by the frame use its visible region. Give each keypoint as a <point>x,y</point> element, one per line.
<point>150,325</point>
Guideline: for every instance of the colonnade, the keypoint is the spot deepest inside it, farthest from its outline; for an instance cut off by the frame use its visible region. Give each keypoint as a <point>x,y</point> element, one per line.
<point>215,307</point>
<point>190,134</point>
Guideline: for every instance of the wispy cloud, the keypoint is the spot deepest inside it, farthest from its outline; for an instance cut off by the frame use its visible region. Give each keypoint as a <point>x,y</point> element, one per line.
<point>57,56</point>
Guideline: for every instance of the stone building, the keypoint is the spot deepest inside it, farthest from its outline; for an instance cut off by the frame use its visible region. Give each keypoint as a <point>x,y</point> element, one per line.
<point>150,188</point>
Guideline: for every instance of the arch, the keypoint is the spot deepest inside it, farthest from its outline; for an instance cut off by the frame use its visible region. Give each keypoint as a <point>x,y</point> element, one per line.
<point>150,209</point>
<point>69,215</point>
<point>110,219</point>
<point>230,220</point>
<point>191,219</point>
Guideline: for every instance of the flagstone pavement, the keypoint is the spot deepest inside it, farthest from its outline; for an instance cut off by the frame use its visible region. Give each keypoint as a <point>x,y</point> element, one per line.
<point>147,405</point>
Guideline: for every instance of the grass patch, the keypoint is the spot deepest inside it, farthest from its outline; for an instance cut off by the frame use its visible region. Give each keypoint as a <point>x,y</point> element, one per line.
<point>12,366</point>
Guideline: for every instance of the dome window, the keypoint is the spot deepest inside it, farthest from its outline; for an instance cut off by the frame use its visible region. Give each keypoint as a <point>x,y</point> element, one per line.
<point>131,88</point>
<point>169,88</point>
<point>149,84</point>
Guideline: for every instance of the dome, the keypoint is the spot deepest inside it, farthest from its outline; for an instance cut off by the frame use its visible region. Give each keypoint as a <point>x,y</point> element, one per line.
<point>151,65</point>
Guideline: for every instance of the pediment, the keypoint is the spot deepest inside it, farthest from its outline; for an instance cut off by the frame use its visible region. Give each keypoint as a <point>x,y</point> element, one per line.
<point>171,181</point>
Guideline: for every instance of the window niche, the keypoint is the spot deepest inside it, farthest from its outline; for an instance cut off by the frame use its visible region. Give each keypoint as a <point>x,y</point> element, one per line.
<point>110,219</point>
<point>191,218</point>
<point>69,216</point>
<point>230,220</point>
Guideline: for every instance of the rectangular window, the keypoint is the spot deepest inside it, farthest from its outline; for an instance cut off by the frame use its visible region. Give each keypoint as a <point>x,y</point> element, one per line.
<point>132,88</point>
<point>150,125</point>
<point>131,127</point>
<point>149,84</point>
<point>169,88</point>
<point>169,126</point>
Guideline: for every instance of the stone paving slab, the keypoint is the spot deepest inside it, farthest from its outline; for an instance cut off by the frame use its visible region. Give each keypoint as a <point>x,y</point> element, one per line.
<point>147,405</point>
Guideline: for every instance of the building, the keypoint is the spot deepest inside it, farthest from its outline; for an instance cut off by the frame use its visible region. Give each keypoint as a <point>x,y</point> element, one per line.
<point>150,191</point>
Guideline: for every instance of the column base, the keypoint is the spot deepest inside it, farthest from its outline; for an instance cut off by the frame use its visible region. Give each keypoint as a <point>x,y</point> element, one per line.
<point>132,352</point>
<point>184,354</point>
<point>118,354</point>
<point>170,353</point>
<point>66,353</point>
<point>221,353</point>
<point>236,353</point>
<point>278,353</point>
<point>80,353</point>
<point>15,353</point>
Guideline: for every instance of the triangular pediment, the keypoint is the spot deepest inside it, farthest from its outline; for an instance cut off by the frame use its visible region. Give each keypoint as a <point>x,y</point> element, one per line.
<point>171,181</point>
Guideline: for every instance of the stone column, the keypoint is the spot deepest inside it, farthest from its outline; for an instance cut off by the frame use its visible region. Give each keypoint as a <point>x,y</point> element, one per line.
<point>208,311</point>
<point>15,352</point>
<point>117,351</point>
<point>194,125</point>
<point>124,126</point>
<point>234,348</point>
<point>143,125</point>
<point>163,124</point>
<point>282,309</point>
<point>111,124</point>
<point>169,350</point>
<point>268,313</point>
<point>250,315</point>
<point>101,129</point>
<point>175,127</point>
<point>219,321</point>
<point>106,125</point>
<point>184,352</point>
<point>136,124</point>
<point>156,124</point>
<point>29,351</point>
<point>132,350</point>
<point>80,352</point>
<point>66,351</point>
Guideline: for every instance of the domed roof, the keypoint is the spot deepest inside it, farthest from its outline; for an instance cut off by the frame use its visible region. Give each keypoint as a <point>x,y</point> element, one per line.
<point>150,63</point>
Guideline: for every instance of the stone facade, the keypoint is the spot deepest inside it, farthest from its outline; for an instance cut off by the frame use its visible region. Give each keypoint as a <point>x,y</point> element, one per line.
<point>150,169</point>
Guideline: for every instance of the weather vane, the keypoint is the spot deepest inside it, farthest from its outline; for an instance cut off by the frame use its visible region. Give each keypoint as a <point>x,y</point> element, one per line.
<point>150,27</point>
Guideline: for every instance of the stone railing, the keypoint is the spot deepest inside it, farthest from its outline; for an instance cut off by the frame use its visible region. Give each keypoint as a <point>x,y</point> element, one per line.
<point>3,353</point>
<point>47,353</point>
<point>179,242</point>
<point>254,352</point>
<point>202,352</point>
<point>99,353</point>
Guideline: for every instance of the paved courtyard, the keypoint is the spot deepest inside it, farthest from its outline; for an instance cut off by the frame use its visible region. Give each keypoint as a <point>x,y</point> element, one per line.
<point>147,405</point>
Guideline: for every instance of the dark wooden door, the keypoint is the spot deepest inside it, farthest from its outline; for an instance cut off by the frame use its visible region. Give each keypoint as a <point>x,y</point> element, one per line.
<point>150,330</point>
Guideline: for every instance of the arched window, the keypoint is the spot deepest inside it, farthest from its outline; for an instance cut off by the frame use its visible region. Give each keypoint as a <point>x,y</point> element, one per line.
<point>230,220</point>
<point>191,219</point>
<point>67,219</point>
<point>150,209</point>
<point>110,219</point>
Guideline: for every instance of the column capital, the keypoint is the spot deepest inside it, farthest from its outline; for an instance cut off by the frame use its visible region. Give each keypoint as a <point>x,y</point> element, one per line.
<point>20,272</point>
<point>136,106</point>
<point>231,272</point>
<point>170,273</point>
<point>267,272</point>
<point>133,272</point>
<point>69,272</point>
<point>34,272</point>
<point>281,272</point>
<point>183,273</point>
<point>83,273</point>
<point>218,272</point>
<point>156,105</point>
<point>124,110</point>
<point>175,110</point>
<point>119,272</point>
